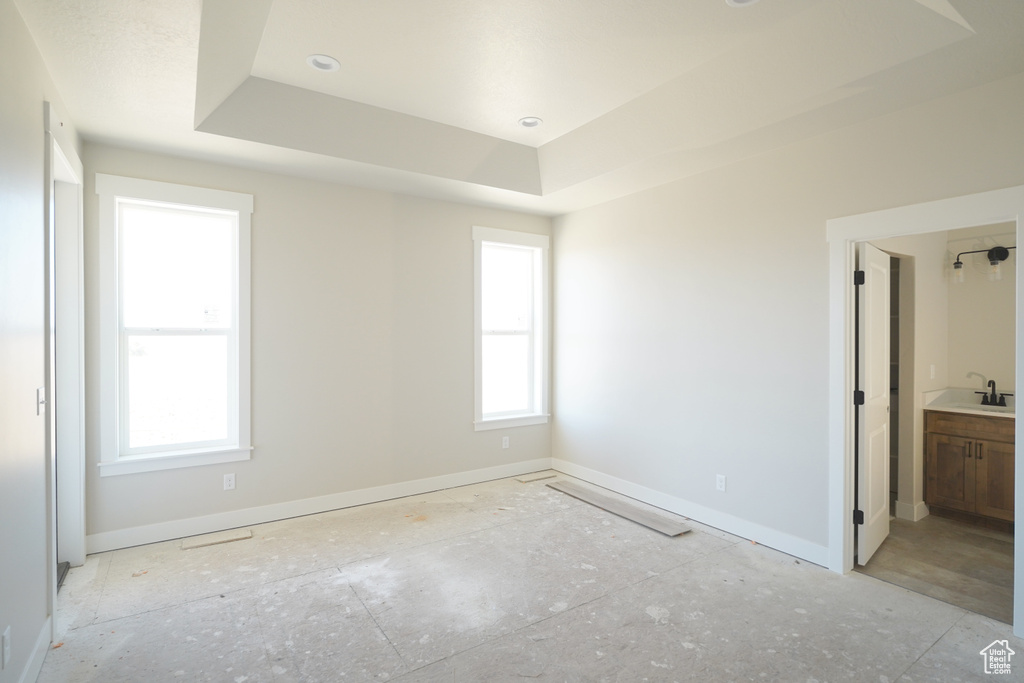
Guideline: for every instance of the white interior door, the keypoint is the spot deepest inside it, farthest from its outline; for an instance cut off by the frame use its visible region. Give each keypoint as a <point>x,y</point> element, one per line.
<point>66,320</point>
<point>873,432</point>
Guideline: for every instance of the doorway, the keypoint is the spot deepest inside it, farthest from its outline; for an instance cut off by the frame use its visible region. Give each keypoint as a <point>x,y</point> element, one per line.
<point>64,403</point>
<point>966,329</point>
<point>843,234</point>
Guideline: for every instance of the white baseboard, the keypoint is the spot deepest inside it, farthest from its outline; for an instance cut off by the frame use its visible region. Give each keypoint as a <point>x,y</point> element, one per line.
<point>914,512</point>
<point>791,545</point>
<point>181,528</point>
<point>39,650</point>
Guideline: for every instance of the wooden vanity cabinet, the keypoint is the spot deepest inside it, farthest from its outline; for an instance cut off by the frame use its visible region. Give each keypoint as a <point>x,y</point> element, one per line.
<point>969,461</point>
<point>994,474</point>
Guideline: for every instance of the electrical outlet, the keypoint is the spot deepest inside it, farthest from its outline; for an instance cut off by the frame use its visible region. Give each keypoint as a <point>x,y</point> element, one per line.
<point>720,483</point>
<point>504,442</point>
<point>6,658</point>
<point>229,482</point>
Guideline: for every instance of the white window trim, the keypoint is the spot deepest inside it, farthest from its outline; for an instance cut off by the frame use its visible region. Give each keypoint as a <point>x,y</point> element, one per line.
<point>542,317</point>
<point>110,188</point>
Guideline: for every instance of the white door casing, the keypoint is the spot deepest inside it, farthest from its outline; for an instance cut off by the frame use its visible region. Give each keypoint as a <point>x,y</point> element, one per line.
<point>65,407</point>
<point>843,234</point>
<point>873,434</point>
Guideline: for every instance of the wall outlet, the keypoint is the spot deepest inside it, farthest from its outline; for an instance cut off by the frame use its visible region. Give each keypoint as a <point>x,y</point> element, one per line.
<point>6,657</point>
<point>229,482</point>
<point>720,483</point>
<point>504,442</point>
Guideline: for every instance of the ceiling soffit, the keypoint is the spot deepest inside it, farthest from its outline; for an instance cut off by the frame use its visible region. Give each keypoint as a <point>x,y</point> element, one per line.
<point>830,63</point>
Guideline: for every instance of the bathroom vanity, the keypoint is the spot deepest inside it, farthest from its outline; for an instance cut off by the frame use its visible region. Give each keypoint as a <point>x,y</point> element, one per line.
<point>969,462</point>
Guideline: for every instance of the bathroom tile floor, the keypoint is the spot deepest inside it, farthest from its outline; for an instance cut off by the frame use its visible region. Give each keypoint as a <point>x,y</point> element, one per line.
<point>960,563</point>
<point>501,581</point>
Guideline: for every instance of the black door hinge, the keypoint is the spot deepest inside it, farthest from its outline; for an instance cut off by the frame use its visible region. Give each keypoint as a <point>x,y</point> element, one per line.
<point>858,516</point>
<point>858,277</point>
<point>858,397</point>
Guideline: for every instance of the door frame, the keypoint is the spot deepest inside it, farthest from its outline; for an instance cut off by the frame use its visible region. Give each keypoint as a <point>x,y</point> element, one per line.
<point>65,330</point>
<point>842,234</point>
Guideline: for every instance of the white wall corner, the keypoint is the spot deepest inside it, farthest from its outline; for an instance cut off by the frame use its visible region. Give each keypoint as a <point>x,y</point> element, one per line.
<point>791,545</point>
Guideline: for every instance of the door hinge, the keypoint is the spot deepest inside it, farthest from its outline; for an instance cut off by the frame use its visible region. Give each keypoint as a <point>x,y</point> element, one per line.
<point>858,397</point>
<point>858,277</point>
<point>858,516</point>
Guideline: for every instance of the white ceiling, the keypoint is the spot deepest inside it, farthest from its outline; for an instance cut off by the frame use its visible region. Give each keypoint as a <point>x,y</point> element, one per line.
<point>633,93</point>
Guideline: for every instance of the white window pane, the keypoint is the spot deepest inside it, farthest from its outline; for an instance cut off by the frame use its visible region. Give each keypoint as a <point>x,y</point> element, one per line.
<point>176,268</point>
<point>506,373</point>
<point>177,389</point>
<point>506,282</point>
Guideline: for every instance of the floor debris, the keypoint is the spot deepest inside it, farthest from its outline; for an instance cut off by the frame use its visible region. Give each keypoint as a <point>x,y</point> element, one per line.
<point>536,476</point>
<point>216,539</point>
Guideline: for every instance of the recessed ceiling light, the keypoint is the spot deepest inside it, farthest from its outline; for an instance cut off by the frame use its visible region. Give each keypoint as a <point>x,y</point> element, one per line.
<point>739,3</point>
<point>323,62</point>
<point>530,122</point>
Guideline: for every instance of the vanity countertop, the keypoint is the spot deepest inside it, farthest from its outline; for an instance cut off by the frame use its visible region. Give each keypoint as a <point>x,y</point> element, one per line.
<point>955,400</point>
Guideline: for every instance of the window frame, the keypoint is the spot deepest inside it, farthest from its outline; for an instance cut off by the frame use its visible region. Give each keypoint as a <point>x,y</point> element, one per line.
<point>114,191</point>
<point>539,330</point>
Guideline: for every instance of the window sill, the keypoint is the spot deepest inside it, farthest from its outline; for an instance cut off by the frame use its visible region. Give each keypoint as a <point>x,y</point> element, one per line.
<point>506,422</point>
<point>173,460</point>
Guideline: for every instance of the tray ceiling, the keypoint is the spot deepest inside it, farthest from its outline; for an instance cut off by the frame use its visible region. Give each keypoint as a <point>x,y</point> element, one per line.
<point>427,99</point>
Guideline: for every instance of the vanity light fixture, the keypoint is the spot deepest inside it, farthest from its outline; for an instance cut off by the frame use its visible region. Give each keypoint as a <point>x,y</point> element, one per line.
<point>530,121</point>
<point>323,62</point>
<point>995,256</point>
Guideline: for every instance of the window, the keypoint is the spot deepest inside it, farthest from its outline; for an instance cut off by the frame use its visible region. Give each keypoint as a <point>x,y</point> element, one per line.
<point>174,315</point>
<point>511,273</point>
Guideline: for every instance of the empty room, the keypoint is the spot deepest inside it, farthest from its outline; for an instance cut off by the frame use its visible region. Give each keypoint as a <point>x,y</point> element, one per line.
<point>485,340</point>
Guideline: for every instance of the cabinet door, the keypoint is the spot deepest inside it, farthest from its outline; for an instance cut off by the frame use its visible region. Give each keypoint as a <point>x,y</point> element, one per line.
<point>950,481</point>
<point>994,470</point>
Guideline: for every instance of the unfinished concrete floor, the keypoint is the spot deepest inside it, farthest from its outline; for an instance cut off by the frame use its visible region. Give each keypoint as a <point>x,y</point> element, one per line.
<point>501,581</point>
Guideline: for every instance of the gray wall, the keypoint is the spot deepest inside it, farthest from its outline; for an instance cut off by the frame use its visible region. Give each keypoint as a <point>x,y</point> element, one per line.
<point>982,313</point>
<point>362,348</point>
<point>692,319</point>
<point>25,85</point>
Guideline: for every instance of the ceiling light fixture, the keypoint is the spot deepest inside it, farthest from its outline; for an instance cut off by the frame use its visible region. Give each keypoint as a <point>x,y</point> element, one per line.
<point>530,121</point>
<point>323,62</point>
<point>740,3</point>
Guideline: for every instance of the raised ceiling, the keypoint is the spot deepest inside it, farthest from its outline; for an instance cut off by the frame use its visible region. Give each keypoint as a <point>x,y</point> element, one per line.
<point>632,93</point>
